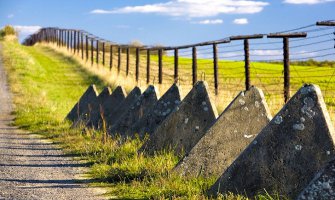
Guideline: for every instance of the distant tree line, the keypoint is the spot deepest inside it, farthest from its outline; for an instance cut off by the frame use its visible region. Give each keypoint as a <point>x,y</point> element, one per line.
<point>311,62</point>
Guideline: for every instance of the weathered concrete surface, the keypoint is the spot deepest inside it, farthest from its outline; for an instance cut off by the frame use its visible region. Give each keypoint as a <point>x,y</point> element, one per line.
<point>109,105</point>
<point>89,113</point>
<point>322,186</point>
<point>113,113</point>
<point>183,128</point>
<point>137,110</point>
<point>82,105</point>
<point>235,128</point>
<point>161,110</point>
<point>284,157</point>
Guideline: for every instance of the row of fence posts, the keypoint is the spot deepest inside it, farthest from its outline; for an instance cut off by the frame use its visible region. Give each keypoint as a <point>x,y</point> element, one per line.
<point>74,39</point>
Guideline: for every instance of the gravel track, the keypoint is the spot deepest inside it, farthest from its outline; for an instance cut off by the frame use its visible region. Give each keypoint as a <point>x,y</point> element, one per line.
<point>35,168</point>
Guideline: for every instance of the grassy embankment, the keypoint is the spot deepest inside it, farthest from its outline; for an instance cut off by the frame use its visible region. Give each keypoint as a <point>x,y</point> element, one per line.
<point>45,85</point>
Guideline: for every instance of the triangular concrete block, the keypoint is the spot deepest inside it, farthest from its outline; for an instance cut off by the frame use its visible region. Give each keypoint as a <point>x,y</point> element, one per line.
<point>284,156</point>
<point>90,112</point>
<point>235,128</point>
<point>89,97</point>
<point>113,113</point>
<point>322,186</point>
<point>136,111</point>
<point>183,128</point>
<point>110,104</point>
<point>161,110</point>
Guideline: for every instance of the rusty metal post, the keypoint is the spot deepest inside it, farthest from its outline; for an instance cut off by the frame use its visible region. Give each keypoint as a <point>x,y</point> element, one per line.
<point>50,35</point>
<point>194,65</point>
<point>58,37</point>
<point>61,38</point>
<point>78,42</point>
<point>53,35</point>
<point>64,38</point>
<point>148,66</point>
<point>111,57</point>
<point>119,60</point>
<point>92,59</point>
<point>74,41</point>
<point>246,39</point>
<point>86,47</point>
<point>160,66</point>
<point>246,64</point>
<point>71,41</point>
<point>103,54</point>
<point>176,65</point>
<point>47,35</point>
<point>285,37</point>
<point>127,61</point>
<point>215,65</point>
<point>68,40</point>
<point>82,46</point>
<point>137,64</point>
<point>97,53</point>
<point>286,69</point>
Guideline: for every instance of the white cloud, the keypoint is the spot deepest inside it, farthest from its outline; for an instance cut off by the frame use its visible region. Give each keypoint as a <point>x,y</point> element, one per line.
<point>241,21</point>
<point>192,8</point>
<point>122,26</point>
<point>307,1</point>
<point>267,52</point>
<point>10,16</point>
<point>210,21</point>
<point>27,29</point>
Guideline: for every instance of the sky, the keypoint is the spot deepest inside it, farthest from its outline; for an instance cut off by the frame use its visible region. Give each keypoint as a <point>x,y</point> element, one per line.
<point>164,22</point>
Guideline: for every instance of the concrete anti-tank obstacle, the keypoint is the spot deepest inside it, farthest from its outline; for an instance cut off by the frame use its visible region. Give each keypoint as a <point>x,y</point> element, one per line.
<point>235,128</point>
<point>183,128</point>
<point>161,110</point>
<point>109,105</point>
<point>284,156</point>
<point>113,112</point>
<point>89,113</point>
<point>322,186</point>
<point>137,110</point>
<point>82,105</point>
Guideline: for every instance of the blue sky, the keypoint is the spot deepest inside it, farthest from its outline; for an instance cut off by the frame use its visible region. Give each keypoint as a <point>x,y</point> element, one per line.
<point>165,22</point>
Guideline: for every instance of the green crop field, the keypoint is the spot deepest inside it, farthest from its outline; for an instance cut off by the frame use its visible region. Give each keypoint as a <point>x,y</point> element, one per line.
<point>46,84</point>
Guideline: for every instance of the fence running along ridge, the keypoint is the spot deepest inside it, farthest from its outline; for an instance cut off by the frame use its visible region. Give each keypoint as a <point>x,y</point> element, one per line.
<point>222,60</point>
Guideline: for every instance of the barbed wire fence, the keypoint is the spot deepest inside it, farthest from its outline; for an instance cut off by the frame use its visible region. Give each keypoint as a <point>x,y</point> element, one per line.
<point>278,63</point>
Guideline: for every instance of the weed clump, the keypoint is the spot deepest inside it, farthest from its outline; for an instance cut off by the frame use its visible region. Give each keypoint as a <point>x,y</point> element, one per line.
<point>7,31</point>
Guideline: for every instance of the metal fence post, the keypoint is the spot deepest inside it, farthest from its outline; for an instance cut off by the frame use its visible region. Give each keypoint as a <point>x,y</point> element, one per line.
<point>194,65</point>
<point>215,65</point>
<point>160,66</point>
<point>176,65</point>
<point>148,66</point>
<point>137,64</point>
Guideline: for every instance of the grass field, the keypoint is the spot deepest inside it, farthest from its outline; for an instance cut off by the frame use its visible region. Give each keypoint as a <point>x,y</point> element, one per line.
<point>46,84</point>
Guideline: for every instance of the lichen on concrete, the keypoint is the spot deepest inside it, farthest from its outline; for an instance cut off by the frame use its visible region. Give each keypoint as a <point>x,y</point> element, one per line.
<point>284,157</point>
<point>227,137</point>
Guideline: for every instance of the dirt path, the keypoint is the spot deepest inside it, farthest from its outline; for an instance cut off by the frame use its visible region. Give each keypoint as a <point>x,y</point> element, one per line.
<point>33,168</point>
